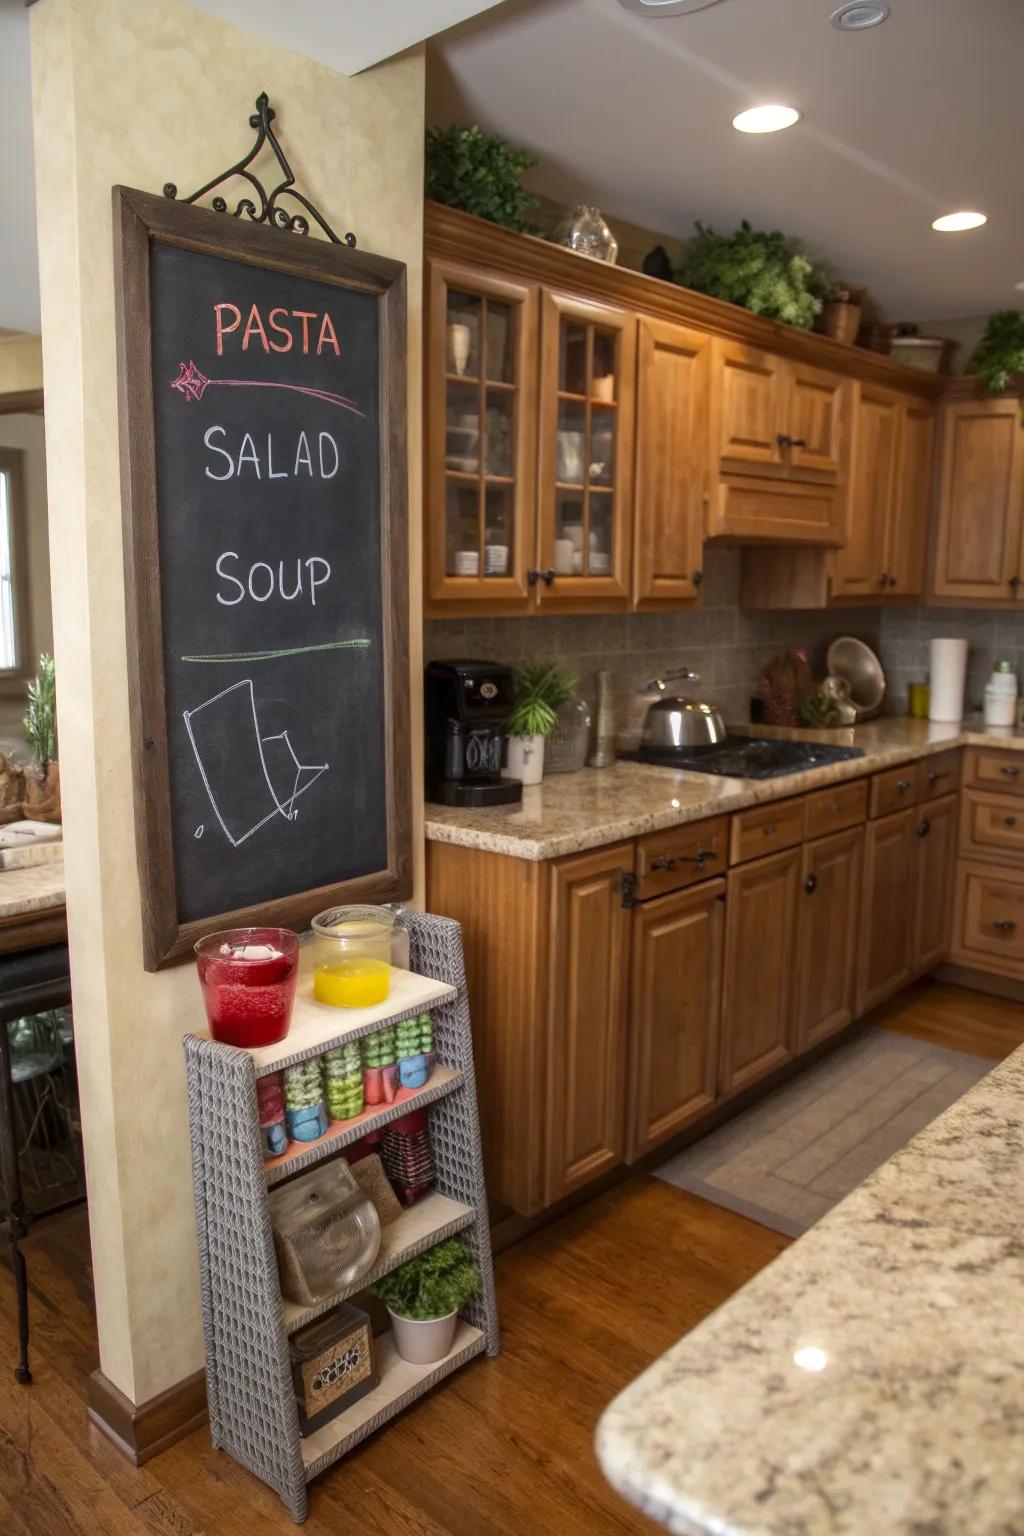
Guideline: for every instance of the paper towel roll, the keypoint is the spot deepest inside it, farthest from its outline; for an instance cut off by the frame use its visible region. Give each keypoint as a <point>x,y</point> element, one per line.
<point>948,672</point>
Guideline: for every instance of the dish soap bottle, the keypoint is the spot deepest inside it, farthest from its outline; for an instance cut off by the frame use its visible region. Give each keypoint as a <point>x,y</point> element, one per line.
<point>1001,695</point>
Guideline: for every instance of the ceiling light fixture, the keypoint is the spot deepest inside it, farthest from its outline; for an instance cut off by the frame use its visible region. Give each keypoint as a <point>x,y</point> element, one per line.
<point>767,119</point>
<point>659,8</point>
<point>951,222</point>
<point>859,15</point>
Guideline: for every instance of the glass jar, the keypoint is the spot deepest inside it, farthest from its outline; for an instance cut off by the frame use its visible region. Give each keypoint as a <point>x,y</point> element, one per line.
<point>354,949</point>
<point>585,229</point>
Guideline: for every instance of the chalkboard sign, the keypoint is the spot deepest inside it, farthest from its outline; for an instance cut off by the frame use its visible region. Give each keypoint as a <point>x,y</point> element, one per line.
<point>263,471</point>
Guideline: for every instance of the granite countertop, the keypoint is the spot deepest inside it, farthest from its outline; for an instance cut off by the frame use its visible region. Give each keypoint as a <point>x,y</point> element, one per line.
<point>32,887</point>
<point>570,812</point>
<point>912,1424</point>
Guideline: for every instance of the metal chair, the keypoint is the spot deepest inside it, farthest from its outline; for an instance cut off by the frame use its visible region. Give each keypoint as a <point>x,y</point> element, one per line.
<point>31,982</point>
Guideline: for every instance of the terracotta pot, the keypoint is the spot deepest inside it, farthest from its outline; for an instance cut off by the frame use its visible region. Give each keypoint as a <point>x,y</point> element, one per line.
<point>423,1342</point>
<point>841,322</point>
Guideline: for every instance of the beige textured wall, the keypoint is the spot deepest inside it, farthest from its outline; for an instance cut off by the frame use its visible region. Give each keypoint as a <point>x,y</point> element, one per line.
<point>142,92</point>
<point>21,364</point>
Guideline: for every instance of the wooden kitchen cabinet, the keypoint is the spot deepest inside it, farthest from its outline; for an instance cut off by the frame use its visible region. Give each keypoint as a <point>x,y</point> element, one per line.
<point>480,437</point>
<point>675,996</point>
<point>978,551</point>
<point>761,903</point>
<point>777,451</point>
<point>585,464</point>
<point>588,969</point>
<point>828,912</point>
<point>884,962</point>
<point>907,539</point>
<point>861,566</point>
<point>934,865</point>
<point>673,383</point>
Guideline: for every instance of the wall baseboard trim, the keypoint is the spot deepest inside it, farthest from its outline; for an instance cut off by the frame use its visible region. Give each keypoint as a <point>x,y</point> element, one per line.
<point>981,981</point>
<point>140,1431</point>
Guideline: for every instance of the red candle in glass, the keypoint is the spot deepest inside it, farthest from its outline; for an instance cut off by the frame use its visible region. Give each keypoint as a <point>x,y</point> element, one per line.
<point>248,978</point>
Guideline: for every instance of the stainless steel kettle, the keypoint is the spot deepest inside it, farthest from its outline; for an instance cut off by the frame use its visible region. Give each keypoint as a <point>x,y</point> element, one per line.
<point>674,722</point>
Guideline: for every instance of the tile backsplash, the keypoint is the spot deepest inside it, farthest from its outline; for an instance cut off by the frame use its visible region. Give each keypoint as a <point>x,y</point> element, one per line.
<point>904,639</point>
<point>727,645</point>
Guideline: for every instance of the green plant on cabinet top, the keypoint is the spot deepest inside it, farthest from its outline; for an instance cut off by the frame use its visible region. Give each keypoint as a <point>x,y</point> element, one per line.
<point>761,270</point>
<point>1000,352</point>
<point>479,173</point>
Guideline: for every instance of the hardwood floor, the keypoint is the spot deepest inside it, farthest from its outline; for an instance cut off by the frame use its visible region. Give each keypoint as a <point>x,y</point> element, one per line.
<point>503,1448</point>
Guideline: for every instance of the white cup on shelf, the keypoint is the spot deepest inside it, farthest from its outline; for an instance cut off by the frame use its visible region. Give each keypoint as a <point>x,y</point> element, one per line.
<point>467,562</point>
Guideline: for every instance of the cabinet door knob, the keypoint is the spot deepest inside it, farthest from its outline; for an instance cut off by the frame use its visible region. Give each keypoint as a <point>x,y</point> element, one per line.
<point>532,578</point>
<point>663,862</point>
<point>924,827</point>
<point>547,577</point>
<point>1014,584</point>
<point>783,439</point>
<point>811,884</point>
<point>1010,771</point>
<point>697,578</point>
<point>883,580</point>
<point>1009,821</point>
<point>1004,925</point>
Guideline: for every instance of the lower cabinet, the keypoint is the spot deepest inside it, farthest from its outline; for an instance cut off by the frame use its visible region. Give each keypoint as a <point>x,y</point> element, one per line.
<point>886,924</point>
<point>828,910</point>
<point>588,965</point>
<point>675,997</point>
<point>761,907</point>
<point>935,863</point>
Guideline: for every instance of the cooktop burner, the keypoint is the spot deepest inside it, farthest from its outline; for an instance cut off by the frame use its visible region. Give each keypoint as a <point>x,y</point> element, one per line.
<point>747,757</point>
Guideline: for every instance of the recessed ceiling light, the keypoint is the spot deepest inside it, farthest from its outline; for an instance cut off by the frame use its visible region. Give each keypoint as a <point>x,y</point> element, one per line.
<point>768,119</point>
<point>1019,287</point>
<point>859,15</point>
<point>954,221</point>
<point>667,7</point>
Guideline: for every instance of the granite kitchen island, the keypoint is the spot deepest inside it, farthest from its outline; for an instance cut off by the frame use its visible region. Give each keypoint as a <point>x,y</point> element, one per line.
<point>868,1382</point>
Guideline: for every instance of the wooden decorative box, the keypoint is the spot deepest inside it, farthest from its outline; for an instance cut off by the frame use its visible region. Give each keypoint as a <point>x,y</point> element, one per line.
<point>332,1365</point>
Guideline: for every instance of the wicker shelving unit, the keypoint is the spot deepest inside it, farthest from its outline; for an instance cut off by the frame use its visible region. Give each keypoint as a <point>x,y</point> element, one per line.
<point>246,1321</point>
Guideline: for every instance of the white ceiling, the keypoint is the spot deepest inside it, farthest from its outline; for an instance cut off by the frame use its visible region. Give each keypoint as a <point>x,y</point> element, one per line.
<point>19,275</point>
<point>346,35</point>
<point>915,118</point>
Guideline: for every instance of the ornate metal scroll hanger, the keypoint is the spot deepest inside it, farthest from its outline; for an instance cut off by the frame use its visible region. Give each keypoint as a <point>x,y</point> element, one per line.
<point>269,210</point>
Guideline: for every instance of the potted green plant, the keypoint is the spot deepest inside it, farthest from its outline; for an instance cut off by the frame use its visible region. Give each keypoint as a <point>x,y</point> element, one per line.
<point>840,314</point>
<point>424,1297</point>
<point>760,269</point>
<point>539,690</point>
<point>479,173</point>
<point>42,777</point>
<point>999,354</point>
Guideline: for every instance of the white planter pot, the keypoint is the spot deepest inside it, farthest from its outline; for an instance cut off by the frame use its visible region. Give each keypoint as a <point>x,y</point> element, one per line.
<point>423,1343</point>
<point>525,759</point>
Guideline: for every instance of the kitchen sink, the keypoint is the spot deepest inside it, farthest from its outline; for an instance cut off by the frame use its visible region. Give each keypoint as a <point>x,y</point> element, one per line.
<point>747,757</point>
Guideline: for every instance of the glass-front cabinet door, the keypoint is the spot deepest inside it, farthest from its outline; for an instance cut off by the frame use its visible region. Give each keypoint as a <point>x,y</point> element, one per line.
<point>585,479</point>
<point>481,415</point>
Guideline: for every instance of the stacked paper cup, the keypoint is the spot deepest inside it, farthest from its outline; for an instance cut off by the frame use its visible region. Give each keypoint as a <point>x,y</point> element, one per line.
<point>948,674</point>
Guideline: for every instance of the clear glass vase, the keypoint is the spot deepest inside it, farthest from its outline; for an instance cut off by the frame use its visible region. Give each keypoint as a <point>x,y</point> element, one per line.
<point>584,229</point>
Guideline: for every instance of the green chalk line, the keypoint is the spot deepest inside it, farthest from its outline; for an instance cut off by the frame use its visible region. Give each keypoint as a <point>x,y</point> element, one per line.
<point>295,650</point>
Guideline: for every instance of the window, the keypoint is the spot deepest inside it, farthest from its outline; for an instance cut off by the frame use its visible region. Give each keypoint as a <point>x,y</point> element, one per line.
<point>14,657</point>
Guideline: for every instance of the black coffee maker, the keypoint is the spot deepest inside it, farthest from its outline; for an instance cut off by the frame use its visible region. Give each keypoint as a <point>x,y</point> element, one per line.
<point>466,704</point>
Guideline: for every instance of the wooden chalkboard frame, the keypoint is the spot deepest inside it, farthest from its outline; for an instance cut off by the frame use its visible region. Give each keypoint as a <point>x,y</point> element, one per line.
<point>140,221</point>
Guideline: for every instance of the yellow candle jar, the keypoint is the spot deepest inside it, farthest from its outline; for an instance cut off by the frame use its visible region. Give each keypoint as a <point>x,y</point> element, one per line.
<point>356,983</point>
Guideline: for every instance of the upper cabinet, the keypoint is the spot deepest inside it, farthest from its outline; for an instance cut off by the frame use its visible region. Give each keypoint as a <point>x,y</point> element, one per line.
<point>588,428</point>
<point>978,552</point>
<point>778,448</point>
<point>673,382</point>
<point>481,418</point>
<point>585,469</point>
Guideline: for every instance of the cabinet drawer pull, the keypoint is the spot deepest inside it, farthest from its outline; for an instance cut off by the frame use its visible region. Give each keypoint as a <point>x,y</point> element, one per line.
<point>902,785</point>
<point>1009,821</point>
<point>811,884</point>
<point>934,775</point>
<point>1010,771</point>
<point>924,827</point>
<point>768,828</point>
<point>1004,925</point>
<point>663,862</point>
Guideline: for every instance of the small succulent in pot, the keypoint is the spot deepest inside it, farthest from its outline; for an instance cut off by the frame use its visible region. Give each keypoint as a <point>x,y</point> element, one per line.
<point>539,691</point>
